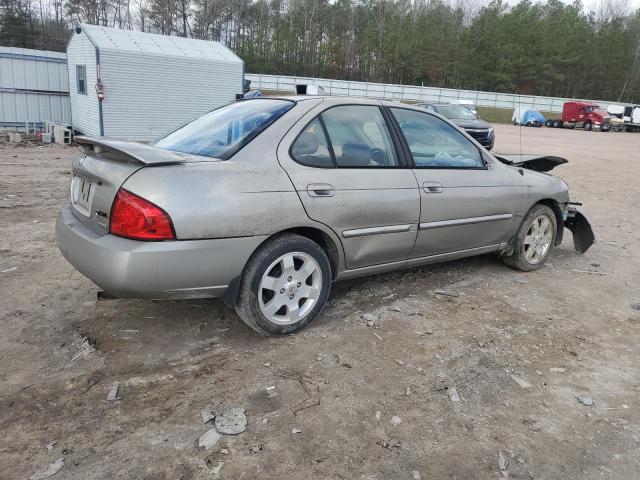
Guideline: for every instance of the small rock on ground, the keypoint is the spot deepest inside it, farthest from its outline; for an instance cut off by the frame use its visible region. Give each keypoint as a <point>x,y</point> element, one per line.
<point>453,394</point>
<point>50,471</point>
<point>587,401</point>
<point>521,381</point>
<point>207,415</point>
<point>209,439</point>
<point>230,420</point>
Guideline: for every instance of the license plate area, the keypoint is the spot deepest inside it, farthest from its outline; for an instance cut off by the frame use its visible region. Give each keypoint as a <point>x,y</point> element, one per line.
<point>82,191</point>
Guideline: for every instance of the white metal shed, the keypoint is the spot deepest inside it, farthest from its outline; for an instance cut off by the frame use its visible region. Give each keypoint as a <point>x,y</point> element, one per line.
<point>33,87</point>
<point>151,83</point>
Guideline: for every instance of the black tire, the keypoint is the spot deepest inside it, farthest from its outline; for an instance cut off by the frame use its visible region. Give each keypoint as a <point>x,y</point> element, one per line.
<point>518,259</point>
<point>557,123</point>
<point>549,123</point>
<point>248,305</point>
<point>587,126</point>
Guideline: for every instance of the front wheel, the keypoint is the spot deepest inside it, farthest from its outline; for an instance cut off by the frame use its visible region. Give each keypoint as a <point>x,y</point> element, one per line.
<point>285,285</point>
<point>534,241</point>
<point>587,126</point>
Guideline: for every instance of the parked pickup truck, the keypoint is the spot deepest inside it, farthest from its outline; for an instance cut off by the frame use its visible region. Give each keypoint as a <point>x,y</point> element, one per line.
<point>582,115</point>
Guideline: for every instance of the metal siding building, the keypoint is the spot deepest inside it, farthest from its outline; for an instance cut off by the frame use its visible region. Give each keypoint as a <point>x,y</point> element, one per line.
<point>33,87</point>
<point>152,83</point>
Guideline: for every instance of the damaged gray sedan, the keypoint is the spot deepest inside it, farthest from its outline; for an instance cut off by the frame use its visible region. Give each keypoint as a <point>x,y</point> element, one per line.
<point>266,202</point>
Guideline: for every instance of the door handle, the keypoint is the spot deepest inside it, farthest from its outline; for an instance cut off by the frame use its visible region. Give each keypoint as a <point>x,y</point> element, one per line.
<point>320,190</point>
<point>432,187</point>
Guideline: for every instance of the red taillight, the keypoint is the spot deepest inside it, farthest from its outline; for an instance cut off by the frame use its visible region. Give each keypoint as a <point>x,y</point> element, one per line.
<point>134,217</point>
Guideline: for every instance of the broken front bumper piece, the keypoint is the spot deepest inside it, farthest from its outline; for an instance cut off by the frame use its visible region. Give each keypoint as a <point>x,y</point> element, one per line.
<point>577,221</point>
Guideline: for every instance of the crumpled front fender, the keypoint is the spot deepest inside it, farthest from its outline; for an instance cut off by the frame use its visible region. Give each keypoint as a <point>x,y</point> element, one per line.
<point>578,223</point>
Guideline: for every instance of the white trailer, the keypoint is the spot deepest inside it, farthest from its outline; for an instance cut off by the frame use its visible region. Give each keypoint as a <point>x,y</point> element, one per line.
<point>137,86</point>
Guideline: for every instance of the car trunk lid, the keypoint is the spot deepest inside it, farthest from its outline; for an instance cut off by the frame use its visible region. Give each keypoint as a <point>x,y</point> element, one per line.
<point>103,169</point>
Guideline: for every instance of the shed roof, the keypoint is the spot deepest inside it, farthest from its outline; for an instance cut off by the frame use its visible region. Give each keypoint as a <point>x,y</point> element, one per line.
<point>106,38</point>
<point>29,54</point>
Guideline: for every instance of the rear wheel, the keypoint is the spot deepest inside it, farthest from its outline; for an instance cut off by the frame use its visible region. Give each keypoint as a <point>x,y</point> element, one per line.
<point>549,123</point>
<point>535,239</point>
<point>557,123</point>
<point>285,285</point>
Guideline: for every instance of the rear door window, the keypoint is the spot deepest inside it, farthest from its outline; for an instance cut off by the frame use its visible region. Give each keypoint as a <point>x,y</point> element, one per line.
<point>348,136</point>
<point>359,137</point>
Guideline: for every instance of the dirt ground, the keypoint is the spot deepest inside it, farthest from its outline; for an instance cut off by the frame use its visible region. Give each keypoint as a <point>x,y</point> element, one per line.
<point>568,330</point>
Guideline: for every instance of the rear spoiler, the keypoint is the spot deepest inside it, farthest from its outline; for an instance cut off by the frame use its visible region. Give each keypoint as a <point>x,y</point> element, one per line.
<point>539,163</point>
<point>139,152</point>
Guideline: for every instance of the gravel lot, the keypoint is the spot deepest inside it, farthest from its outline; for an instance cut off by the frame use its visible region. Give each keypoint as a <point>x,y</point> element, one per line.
<point>366,402</point>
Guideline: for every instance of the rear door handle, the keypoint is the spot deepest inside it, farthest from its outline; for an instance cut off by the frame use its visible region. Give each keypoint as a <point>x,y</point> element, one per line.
<point>320,190</point>
<point>432,187</point>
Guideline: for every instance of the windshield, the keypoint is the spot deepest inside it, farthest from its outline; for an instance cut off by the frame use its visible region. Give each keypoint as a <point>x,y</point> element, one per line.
<point>456,112</point>
<point>595,109</point>
<point>222,132</point>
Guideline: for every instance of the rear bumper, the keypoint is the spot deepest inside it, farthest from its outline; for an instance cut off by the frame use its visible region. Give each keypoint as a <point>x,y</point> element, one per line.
<point>132,269</point>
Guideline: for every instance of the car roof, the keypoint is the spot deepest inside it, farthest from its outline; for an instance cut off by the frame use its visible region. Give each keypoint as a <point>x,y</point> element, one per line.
<point>342,100</point>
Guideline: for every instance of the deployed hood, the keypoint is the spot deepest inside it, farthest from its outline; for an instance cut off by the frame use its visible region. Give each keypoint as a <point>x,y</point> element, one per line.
<point>138,152</point>
<point>471,124</point>
<point>539,163</point>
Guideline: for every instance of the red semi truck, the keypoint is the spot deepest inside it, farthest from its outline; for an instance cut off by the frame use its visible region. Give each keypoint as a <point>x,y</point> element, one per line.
<point>582,115</point>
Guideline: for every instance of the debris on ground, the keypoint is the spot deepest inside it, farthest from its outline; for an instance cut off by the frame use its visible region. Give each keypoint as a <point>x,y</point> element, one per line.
<point>408,391</point>
<point>85,349</point>
<point>50,471</point>
<point>207,415</point>
<point>51,445</point>
<point>256,449</point>
<point>446,293</point>
<point>520,381</point>
<point>388,443</point>
<point>453,394</point>
<point>423,333</point>
<point>378,415</point>
<point>396,420</point>
<point>267,364</point>
<point>112,394</point>
<point>370,319</point>
<point>590,272</point>
<point>557,370</point>
<point>230,420</point>
<point>587,401</point>
<point>10,269</point>
<point>416,475</point>
<point>209,439</point>
<point>635,306</point>
<point>503,462</point>
<point>400,362</point>
<point>216,470</point>
<point>296,430</point>
<point>377,336</point>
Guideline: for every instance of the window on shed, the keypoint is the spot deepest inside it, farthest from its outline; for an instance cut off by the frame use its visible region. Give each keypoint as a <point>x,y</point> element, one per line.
<point>81,79</point>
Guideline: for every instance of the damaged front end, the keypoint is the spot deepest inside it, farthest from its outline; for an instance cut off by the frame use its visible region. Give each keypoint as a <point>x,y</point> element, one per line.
<point>573,215</point>
<point>576,221</point>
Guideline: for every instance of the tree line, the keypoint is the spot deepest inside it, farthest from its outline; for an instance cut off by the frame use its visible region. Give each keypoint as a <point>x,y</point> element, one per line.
<point>541,48</point>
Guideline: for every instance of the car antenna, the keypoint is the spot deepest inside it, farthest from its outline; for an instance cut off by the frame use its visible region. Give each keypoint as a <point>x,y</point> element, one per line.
<point>519,120</point>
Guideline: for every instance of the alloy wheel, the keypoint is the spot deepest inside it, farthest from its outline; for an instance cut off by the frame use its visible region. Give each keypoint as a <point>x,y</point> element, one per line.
<point>289,288</point>
<point>538,239</point>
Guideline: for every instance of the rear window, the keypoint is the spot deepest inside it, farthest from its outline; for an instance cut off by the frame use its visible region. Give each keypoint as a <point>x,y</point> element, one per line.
<point>224,131</point>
